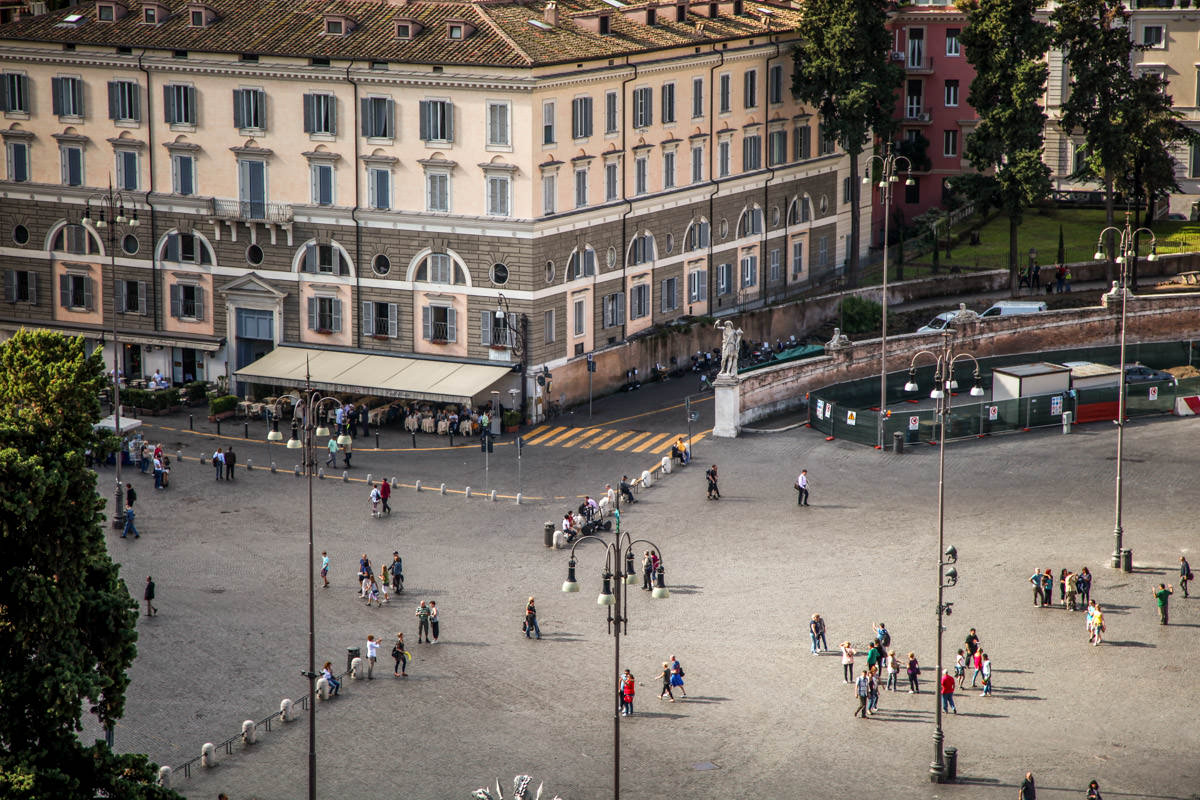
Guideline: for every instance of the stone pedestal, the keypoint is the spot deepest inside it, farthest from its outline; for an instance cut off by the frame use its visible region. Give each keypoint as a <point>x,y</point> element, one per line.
<point>728,406</point>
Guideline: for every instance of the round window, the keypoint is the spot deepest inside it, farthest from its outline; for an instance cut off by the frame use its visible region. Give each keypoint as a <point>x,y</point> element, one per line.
<point>499,274</point>
<point>612,257</point>
<point>20,234</point>
<point>381,264</point>
<point>670,242</point>
<point>723,228</point>
<point>130,244</point>
<point>824,204</point>
<point>774,216</point>
<point>254,255</point>
<point>549,272</point>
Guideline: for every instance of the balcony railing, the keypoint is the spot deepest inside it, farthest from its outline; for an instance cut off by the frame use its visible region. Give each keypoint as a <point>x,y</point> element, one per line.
<point>251,210</point>
<point>919,66</point>
<point>918,114</point>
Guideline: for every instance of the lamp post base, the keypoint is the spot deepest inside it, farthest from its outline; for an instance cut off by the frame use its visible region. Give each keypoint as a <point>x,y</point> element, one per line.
<point>118,517</point>
<point>1118,536</point>
<point>937,773</point>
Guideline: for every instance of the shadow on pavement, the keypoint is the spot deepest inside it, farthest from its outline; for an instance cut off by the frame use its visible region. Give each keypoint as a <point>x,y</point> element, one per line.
<point>691,698</point>
<point>1130,643</point>
<point>658,715</point>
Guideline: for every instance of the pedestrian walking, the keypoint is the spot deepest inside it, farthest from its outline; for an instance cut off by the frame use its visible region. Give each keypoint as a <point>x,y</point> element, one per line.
<point>1093,792</point>
<point>373,592</point>
<point>977,664</point>
<point>531,623</point>
<point>666,683</point>
<point>987,677</point>
<point>364,570</point>
<point>230,463</point>
<point>972,643</point>
<point>397,570</point>
<point>847,661</point>
<point>1084,584</point>
<point>1090,616</point>
<point>384,591</point>
<point>1072,590</point>
<point>1161,596</point>
<point>677,676</point>
<point>332,446</point>
<point>433,620</point>
<point>375,499</point>
<point>885,638</point>
<point>129,526</point>
<point>423,622</point>
<point>372,656</point>
<point>710,475</point>
<point>914,673</point>
<point>1048,588</point>
<point>324,570</point>
<point>1028,791</point>
<point>1062,588</point>
<point>862,690</point>
<point>347,451</point>
<point>948,692</point>
<point>327,674</point>
<point>158,471</point>
<point>647,572</point>
<point>892,670</point>
<point>148,596</point>
<point>1036,580</point>
<point>1097,625</point>
<point>960,668</point>
<point>872,690</point>
<point>385,494</point>
<point>816,630</point>
<point>802,488</point>
<point>400,656</point>
<point>1185,575</point>
<point>874,655</point>
<point>627,691</point>
<point>131,498</point>
<point>218,462</point>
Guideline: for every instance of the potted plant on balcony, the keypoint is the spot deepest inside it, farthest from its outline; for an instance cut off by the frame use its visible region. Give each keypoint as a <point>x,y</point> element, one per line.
<point>222,407</point>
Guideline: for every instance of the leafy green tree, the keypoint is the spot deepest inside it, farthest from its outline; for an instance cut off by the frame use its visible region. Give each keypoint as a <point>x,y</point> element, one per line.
<point>842,70</point>
<point>1006,44</point>
<point>67,632</point>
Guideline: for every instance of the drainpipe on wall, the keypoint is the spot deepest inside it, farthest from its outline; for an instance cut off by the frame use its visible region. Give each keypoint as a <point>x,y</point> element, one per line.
<point>356,302</point>
<point>628,205</point>
<point>767,184</point>
<point>712,177</point>
<point>154,272</point>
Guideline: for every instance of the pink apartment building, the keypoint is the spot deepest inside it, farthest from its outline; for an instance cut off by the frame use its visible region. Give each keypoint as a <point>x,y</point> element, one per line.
<point>931,103</point>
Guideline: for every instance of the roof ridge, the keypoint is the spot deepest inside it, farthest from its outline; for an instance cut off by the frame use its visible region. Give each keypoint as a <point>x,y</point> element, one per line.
<point>478,8</point>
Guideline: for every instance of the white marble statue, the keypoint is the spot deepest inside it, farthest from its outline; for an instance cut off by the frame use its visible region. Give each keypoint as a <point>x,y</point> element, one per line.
<point>731,340</point>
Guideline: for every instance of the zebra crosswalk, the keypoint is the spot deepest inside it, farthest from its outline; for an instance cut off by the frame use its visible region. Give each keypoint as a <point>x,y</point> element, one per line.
<point>599,438</point>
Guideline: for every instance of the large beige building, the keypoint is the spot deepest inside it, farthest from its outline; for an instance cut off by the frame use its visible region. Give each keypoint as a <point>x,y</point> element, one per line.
<point>381,177</point>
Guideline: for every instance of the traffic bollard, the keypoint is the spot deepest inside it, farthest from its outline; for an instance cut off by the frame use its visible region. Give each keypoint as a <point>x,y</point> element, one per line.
<point>245,430</point>
<point>191,422</point>
<point>414,435</point>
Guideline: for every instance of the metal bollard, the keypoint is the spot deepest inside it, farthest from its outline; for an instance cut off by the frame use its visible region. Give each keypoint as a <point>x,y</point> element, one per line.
<point>468,492</point>
<point>218,427</point>
<point>518,498</point>
<point>345,477</point>
<point>249,464</point>
<point>492,496</point>
<point>452,438</point>
<point>376,440</point>
<point>418,486</point>
<point>272,466</point>
<point>245,430</point>
<point>443,489</point>
<point>414,435</point>
<point>368,479</point>
<point>191,422</point>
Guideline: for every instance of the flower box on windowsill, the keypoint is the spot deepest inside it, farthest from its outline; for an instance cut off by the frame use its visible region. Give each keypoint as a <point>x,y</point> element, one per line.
<point>501,347</point>
<point>325,331</point>
<point>379,337</point>
<point>438,341</point>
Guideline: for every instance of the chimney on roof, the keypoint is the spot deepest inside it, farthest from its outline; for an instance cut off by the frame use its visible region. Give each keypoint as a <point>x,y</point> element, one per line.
<point>550,15</point>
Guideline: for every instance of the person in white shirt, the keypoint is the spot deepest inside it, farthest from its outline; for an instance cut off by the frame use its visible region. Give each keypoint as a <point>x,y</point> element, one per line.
<point>593,508</point>
<point>802,488</point>
<point>218,460</point>
<point>372,655</point>
<point>376,497</point>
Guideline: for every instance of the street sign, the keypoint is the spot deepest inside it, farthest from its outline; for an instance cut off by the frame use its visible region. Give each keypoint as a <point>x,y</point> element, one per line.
<point>692,417</point>
<point>914,423</point>
<point>1153,392</point>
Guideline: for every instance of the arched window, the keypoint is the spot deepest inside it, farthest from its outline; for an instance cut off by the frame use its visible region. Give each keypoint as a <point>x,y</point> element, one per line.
<point>799,211</point>
<point>75,239</point>
<point>697,236</point>
<point>751,222</point>
<point>440,268</point>
<point>582,263</point>
<point>641,249</point>
<point>185,248</point>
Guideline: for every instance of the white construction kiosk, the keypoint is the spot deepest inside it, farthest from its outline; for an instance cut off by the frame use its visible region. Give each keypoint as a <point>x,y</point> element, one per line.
<point>1027,380</point>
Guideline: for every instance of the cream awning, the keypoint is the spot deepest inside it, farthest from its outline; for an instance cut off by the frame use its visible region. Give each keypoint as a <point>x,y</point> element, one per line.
<point>382,375</point>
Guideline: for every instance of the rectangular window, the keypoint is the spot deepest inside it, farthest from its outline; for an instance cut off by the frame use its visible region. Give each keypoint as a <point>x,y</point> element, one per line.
<point>378,117</point>
<point>952,46</point>
<point>75,292</point>
<point>823,251</point>
<point>379,188</point>
<point>250,109</point>
<point>437,121</point>
<point>697,286</point>
<point>668,295</point>
<point>498,130</point>
<point>320,114</point>
<point>750,90</point>
<point>72,165</point>
<point>439,324</point>
<point>697,163</point>
<point>610,112</point>
<point>20,286</point>
<point>325,314</point>
<point>749,270</point>
<point>751,153</point>
<point>497,330</point>
<point>252,187</point>
<point>582,264</point>
<point>322,184</point>
<point>777,147</point>
<point>950,143</point>
<point>775,84</point>
<point>131,297</point>
<point>723,158</point>
<point>1153,36</point>
<point>127,170</point>
<point>548,326</point>
<point>612,187</point>
<point>67,97</point>
<point>724,278</point>
<point>726,102</point>
<point>825,144</point>
<point>187,301</point>
<point>1194,162</point>
<point>639,301</point>
<point>437,191</point>
<point>612,307</point>
<point>124,101</point>
<point>581,187</point>
<point>641,175</point>
<point>579,310</point>
<point>697,98</point>
<point>548,122</point>
<point>801,143</point>
<point>549,194</point>
<point>381,319</point>
<point>669,169</point>
<point>498,195</point>
<point>951,93</point>
<point>179,104</point>
<point>643,107</point>
<point>846,184</point>
<point>14,93</point>
<point>183,174</point>
<point>668,103</point>
<point>581,117</point>
<point>776,265</point>
<point>797,257</point>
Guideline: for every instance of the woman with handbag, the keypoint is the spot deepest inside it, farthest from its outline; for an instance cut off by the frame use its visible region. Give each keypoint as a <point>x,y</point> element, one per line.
<point>914,671</point>
<point>677,676</point>
<point>400,657</point>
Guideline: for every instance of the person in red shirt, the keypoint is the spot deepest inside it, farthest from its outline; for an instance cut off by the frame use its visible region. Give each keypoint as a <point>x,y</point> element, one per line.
<point>627,691</point>
<point>948,692</point>
<point>385,491</point>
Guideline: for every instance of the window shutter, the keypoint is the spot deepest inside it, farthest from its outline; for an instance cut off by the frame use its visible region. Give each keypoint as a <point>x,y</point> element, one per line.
<point>365,106</point>
<point>33,280</point>
<point>87,294</point>
<point>64,291</point>
<point>309,113</point>
<point>190,115</point>
<point>114,100</point>
<point>390,119</point>
<point>331,110</point>
<point>121,300</point>
<point>311,259</point>
<point>449,129</point>
<point>336,306</point>
<point>511,333</point>
<point>10,285</point>
<point>393,319</point>
<point>343,263</point>
<point>485,327</point>
<point>135,102</point>
<point>368,318</point>
<point>199,295</point>
<point>424,107</point>
<point>620,308</point>
<point>56,96</point>
<point>239,108</point>
<point>6,102</point>
<point>451,325</point>
<point>141,290</point>
<point>313,322</point>
<point>426,323</point>
<point>260,98</point>
<point>176,300</point>
<point>168,104</point>
<point>173,247</point>
<point>76,89</point>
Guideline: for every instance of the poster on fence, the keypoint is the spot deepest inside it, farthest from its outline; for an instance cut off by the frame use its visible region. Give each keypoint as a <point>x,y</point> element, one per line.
<point>914,423</point>
<point>1153,392</point>
<point>820,408</point>
<point>851,418</point>
<point>828,410</point>
<point>993,413</point>
<point>1056,406</point>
